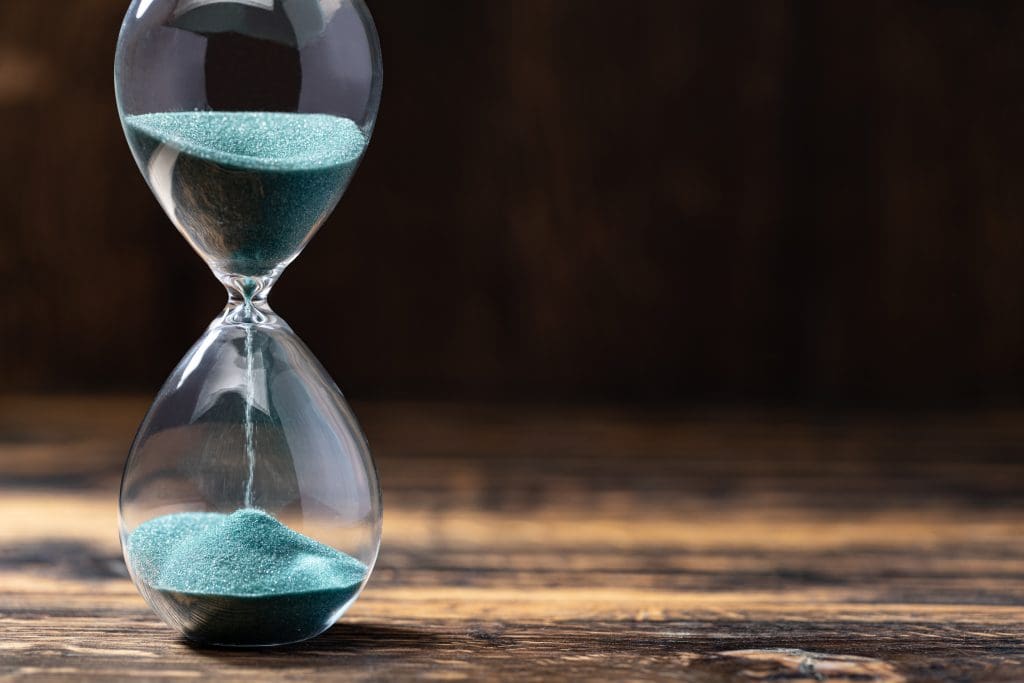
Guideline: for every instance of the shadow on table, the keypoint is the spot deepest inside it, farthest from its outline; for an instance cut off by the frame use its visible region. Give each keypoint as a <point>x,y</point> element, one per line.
<point>339,640</point>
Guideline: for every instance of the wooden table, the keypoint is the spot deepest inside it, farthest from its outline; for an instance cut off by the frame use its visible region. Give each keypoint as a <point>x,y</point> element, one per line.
<point>548,543</point>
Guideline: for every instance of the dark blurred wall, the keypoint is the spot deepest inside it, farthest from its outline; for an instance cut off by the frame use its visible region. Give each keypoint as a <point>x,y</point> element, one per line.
<point>572,199</point>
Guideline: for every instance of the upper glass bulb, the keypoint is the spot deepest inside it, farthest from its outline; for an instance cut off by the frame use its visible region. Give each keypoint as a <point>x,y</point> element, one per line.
<point>248,119</point>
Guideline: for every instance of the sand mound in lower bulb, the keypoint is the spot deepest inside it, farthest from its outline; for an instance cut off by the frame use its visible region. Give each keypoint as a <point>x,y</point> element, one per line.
<point>241,579</point>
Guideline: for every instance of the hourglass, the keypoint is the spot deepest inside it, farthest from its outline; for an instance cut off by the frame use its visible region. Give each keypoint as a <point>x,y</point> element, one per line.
<point>250,512</point>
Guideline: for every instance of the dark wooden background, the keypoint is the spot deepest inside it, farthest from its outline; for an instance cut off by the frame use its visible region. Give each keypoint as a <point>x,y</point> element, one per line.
<point>806,201</point>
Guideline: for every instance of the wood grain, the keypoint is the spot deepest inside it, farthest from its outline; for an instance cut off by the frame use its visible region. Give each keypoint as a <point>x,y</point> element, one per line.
<point>546,544</point>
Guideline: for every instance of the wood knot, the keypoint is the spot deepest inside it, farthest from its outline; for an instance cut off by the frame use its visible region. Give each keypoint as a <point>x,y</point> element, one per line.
<point>801,665</point>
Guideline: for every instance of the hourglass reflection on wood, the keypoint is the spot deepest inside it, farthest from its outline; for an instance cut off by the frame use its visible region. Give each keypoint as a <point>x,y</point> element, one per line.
<point>250,511</point>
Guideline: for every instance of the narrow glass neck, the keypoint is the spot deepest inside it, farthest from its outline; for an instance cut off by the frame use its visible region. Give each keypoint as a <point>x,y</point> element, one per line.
<point>247,300</point>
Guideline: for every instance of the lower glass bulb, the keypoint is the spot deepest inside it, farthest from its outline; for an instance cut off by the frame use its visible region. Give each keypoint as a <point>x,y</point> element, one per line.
<point>250,511</point>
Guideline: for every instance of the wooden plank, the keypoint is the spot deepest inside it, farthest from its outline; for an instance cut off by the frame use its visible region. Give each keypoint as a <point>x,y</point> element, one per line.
<point>545,544</point>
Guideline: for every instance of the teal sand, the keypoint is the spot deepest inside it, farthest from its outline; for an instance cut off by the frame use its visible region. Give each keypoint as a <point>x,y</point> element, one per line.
<point>246,188</point>
<point>242,579</point>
